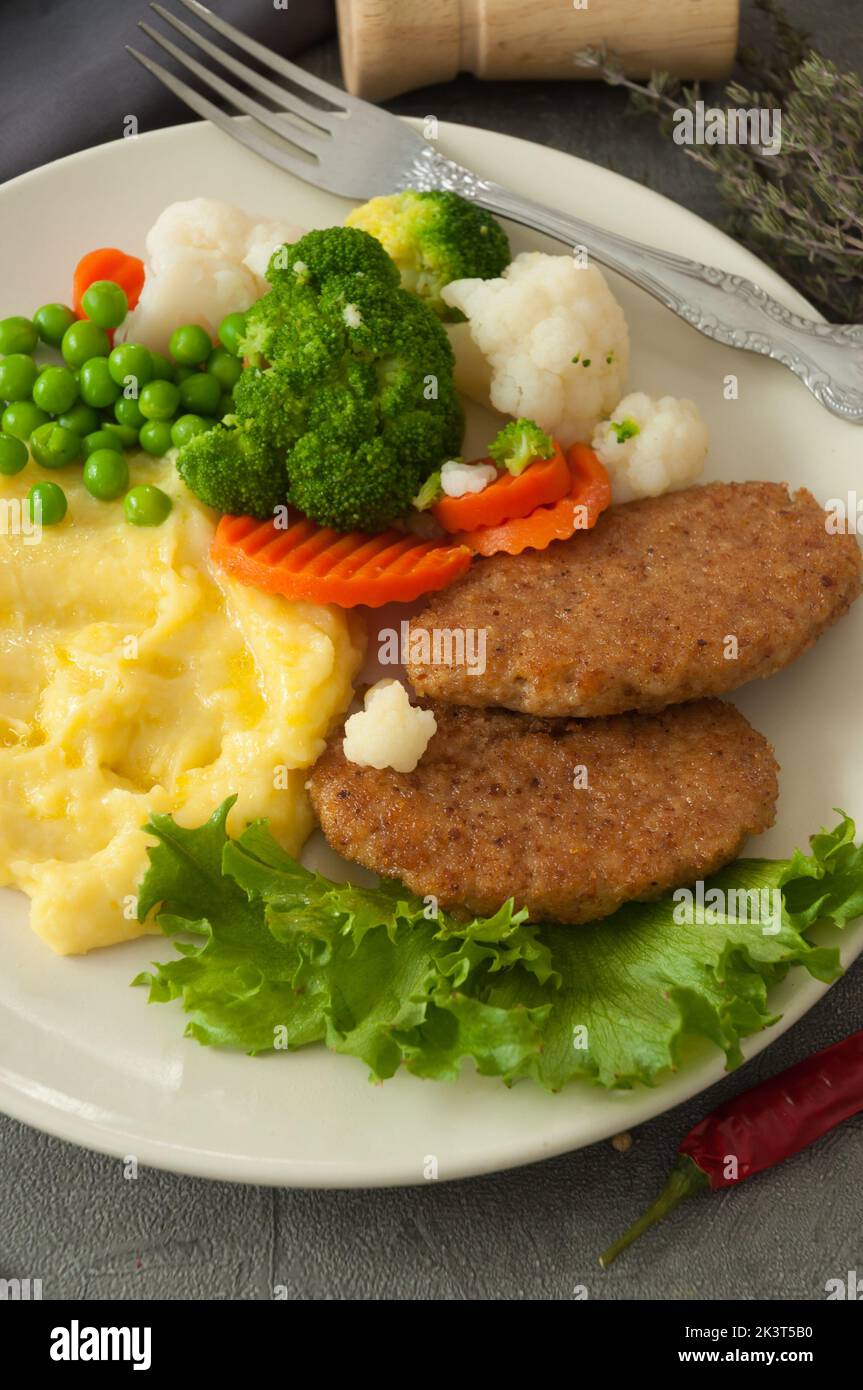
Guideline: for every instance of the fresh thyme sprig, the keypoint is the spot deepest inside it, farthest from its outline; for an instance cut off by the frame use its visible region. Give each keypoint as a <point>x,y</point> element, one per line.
<point>800,209</point>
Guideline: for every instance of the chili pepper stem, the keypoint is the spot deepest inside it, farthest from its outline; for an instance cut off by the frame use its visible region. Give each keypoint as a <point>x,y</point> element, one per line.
<point>685,1180</point>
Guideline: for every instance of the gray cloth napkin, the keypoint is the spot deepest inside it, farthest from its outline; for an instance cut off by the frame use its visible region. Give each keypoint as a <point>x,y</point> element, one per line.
<point>66,82</point>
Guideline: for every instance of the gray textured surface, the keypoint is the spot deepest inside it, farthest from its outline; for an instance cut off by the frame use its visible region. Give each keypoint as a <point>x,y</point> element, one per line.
<point>71,1219</point>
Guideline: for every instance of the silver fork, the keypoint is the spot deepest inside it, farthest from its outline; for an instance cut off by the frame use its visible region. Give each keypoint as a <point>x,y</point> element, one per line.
<point>347,146</point>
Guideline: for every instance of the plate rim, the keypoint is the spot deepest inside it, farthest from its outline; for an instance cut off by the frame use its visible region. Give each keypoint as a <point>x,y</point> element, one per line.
<point>215,1165</point>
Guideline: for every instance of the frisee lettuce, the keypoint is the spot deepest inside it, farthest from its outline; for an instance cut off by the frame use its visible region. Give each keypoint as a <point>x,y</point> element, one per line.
<point>270,954</point>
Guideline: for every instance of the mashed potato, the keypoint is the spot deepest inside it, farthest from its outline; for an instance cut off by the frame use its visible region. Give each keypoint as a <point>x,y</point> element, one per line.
<point>134,678</point>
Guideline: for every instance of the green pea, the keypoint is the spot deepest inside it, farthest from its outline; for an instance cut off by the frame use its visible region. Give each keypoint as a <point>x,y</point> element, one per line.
<point>99,439</point>
<point>21,418</point>
<point>83,340</point>
<point>14,454</point>
<point>17,334</point>
<point>186,428</point>
<point>232,330</point>
<point>190,345</point>
<point>163,370</point>
<point>181,374</point>
<point>105,303</point>
<point>146,505</point>
<point>131,360</point>
<point>159,400</point>
<point>124,435</point>
<point>96,385</point>
<point>106,474</point>
<point>226,404</point>
<point>157,437</point>
<point>201,394</point>
<point>18,374</point>
<point>128,412</point>
<point>55,390</point>
<point>47,503</point>
<point>81,419</point>
<point>224,367</point>
<point>51,322</point>
<point>54,447</point>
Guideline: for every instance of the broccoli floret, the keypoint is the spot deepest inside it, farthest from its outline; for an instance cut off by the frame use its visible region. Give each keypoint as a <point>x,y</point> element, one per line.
<point>234,470</point>
<point>518,443</point>
<point>624,429</point>
<point>319,256</point>
<point>363,489</point>
<point>309,264</point>
<point>262,321</point>
<point>430,492</point>
<point>266,401</point>
<point>351,394</point>
<point>435,238</point>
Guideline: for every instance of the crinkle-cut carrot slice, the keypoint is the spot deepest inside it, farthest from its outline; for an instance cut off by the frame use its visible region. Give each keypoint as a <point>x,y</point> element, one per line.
<point>579,510</point>
<point>543,481</point>
<point>305,561</point>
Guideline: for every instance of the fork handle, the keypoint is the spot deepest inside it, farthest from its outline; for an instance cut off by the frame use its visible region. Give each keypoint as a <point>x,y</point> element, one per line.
<point>728,308</point>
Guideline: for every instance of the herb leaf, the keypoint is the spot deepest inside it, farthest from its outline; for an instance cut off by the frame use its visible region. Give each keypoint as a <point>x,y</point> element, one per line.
<point>800,208</point>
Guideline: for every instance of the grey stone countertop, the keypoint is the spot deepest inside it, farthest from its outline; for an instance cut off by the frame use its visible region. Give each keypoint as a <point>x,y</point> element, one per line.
<point>70,1218</point>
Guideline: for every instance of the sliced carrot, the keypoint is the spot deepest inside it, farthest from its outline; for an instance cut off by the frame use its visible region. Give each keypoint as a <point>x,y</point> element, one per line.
<point>544,480</point>
<point>307,561</point>
<point>589,495</point>
<point>107,263</point>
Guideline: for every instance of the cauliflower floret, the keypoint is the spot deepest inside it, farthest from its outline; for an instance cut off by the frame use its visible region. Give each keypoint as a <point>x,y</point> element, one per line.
<point>262,241</point>
<point>205,259</point>
<point>203,223</point>
<point>547,340</point>
<point>457,479</point>
<point>651,446</point>
<point>189,286</point>
<point>389,731</point>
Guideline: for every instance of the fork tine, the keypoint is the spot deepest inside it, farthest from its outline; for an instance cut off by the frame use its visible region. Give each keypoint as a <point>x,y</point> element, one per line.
<point>304,80</point>
<point>315,115</point>
<point>273,121</point>
<point>276,154</point>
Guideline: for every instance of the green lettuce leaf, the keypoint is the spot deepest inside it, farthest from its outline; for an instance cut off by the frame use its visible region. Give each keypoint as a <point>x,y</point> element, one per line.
<point>272,955</point>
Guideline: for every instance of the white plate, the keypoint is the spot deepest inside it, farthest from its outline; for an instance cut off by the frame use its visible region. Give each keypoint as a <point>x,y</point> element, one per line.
<point>82,1055</point>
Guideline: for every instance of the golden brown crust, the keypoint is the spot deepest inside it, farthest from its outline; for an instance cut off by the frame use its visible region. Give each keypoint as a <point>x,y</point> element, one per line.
<point>495,808</point>
<point>638,613</point>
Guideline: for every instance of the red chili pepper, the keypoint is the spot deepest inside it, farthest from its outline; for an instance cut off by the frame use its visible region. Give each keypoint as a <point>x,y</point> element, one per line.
<point>760,1128</point>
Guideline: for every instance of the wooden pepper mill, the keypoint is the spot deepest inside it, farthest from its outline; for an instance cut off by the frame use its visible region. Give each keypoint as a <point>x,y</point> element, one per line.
<point>392,46</point>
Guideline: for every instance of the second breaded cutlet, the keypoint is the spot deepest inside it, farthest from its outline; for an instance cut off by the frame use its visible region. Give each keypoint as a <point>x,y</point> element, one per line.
<point>667,599</point>
<point>571,818</point>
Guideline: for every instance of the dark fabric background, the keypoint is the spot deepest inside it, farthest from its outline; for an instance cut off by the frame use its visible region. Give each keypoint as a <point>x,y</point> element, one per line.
<point>66,82</point>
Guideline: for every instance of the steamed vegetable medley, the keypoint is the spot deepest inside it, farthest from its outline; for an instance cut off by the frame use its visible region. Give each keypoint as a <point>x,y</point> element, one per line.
<point>329,409</point>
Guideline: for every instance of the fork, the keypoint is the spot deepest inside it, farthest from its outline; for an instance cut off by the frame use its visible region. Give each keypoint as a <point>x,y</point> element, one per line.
<point>337,142</point>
